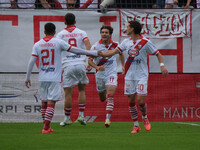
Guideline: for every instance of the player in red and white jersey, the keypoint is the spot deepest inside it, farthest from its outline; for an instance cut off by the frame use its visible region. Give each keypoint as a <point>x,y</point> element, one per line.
<point>74,68</point>
<point>106,70</point>
<point>136,70</point>
<point>75,37</point>
<point>139,50</point>
<point>48,51</point>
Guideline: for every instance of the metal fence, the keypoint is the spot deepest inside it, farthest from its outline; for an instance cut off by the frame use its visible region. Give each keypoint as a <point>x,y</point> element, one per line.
<point>95,4</point>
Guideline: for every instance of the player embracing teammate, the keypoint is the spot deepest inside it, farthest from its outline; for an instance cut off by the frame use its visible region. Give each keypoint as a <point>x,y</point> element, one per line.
<point>74,67</point>
<point>48,50</point>
<point>136,70</point>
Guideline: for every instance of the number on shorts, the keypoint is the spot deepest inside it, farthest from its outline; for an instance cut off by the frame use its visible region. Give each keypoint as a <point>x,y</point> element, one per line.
<point>141,87</point>
<point>46,56</point>
<point>111,79</point>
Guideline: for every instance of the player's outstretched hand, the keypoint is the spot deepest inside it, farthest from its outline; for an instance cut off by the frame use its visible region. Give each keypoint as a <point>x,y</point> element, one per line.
<point>164,71</point>
<point>101,68</point>
<point>28,83</point>
<point>100,53</point>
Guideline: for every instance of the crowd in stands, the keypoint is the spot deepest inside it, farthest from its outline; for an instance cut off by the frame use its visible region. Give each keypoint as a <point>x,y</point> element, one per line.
<point>49,4</point>
<point>103,5</point>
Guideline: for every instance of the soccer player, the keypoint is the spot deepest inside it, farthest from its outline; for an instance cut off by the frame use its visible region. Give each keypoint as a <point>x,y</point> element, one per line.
<point>48,51</point>
<point>136,71</point>
<point>74,68</point>
<point>106,70</point>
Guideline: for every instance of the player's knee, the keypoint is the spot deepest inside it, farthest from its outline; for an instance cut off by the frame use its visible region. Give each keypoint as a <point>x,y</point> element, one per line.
<point>141,100</point>
<point>102,96</point>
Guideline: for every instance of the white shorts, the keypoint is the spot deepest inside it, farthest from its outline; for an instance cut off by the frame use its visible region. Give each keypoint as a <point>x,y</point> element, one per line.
<point>74,75</point>
<point>50,91</point>
<point>135,86</point>
<point>101,83</point>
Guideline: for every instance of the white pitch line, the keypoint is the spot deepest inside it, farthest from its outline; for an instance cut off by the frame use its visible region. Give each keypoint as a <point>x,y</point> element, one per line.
<point>191,124</point>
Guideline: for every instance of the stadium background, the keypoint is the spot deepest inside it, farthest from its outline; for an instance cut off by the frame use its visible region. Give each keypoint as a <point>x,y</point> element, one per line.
<point>174,98</point>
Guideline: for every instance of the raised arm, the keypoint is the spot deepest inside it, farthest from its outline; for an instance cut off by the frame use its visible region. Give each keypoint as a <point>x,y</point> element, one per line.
<point>187,4</point>
<point>162,66</point>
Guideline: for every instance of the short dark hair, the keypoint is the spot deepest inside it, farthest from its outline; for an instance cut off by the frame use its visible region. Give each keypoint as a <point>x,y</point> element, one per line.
<point>107,27</point>
<point>70,19</point>
<point>49,28</point>
<point>136,25</point>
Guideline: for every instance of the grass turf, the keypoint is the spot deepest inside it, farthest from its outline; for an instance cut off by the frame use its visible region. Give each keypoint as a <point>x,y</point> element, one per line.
<point>94,136</point>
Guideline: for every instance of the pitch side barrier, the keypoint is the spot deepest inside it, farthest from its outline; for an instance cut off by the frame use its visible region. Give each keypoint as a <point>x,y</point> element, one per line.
<point>172,98</point>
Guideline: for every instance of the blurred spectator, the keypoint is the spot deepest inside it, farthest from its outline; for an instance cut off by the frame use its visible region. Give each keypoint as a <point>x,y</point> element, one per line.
<point>59,4</point>
<point>154,5</point>
<point>198,3</point>
<point>47,4</point>
<point>66,4</point>
<point>146,4</point>
<point>29,4</point>
<point>160,3</point>
<point>88,3</point>
<point>71,4</point>
<point>187,4</point>
<point>5,4</point>
<point>171,3</point>
<point>24,4</point>
<point>130,4</point>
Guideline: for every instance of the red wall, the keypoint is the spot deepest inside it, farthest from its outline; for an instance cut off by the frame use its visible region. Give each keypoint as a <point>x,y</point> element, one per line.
<point>172,98</point>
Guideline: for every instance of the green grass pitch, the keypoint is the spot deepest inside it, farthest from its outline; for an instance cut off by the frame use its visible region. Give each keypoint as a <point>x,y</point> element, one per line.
<point>94,136</point>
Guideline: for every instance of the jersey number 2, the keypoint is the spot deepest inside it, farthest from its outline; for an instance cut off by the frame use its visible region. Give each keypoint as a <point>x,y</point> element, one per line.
<point>46,56</point>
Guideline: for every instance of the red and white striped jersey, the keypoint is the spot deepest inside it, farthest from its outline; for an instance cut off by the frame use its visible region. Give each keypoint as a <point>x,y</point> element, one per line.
<point>48,50</point>
<point>136,57</point>
<point>74,37</point>
<point>110,63</point>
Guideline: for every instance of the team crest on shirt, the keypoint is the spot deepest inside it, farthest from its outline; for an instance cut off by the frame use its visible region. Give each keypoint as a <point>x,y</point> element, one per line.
<point>133,52</point>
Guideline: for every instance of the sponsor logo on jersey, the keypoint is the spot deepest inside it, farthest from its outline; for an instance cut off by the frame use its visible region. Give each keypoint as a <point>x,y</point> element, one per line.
<point>136,61</point>
<point>50,69</point>
<point>133,52</point>
<point>109,62</point>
